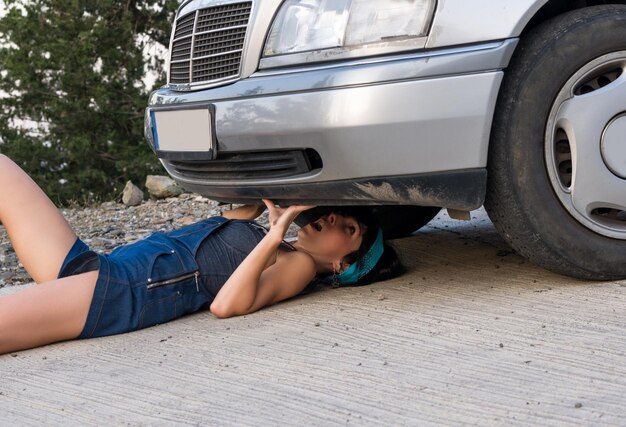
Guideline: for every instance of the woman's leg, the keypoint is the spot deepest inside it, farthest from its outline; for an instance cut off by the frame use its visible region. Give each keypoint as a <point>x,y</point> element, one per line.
<point>50,312</point>
<point>39,233</point>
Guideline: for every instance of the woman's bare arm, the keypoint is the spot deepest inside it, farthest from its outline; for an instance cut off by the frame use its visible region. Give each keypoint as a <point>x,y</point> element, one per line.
<point>287,277</point>
<point>244,212</point>
<point>252,285</point>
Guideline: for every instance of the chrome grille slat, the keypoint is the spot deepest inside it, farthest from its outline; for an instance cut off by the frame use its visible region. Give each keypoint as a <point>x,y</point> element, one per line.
<point>227,41</point>
<point>181,49</point>
<point>208,44</point>
<point>209,69</point>
<point>219,24</point>
<point>218,54</point>
<point>184,26</point>
<point>220,30</point>
<point>179,73</point>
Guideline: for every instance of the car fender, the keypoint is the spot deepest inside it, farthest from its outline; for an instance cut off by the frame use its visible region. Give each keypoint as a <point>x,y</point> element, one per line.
<point>463,22</point>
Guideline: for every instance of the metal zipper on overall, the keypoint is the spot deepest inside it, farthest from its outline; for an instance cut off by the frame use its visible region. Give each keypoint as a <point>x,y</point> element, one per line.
<point>195,274</point>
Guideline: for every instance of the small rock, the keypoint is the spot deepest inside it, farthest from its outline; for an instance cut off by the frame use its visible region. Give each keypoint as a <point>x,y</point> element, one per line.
<point>116,232</point>
<point>160,186</point>
<point>578,405</point>
<point>501,345</point>
<point>162,221</point>
<point>132,195</point>
<point>7,276</point>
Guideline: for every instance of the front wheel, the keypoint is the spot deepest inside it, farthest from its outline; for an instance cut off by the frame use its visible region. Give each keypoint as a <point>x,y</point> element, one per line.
<point>557,159</point>
<point>401,221</point>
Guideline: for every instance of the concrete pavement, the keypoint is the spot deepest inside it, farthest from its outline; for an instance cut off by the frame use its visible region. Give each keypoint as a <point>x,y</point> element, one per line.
<point>474,335</point>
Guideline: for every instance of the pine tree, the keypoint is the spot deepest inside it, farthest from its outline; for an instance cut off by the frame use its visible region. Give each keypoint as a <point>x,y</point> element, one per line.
<point>74,70</point>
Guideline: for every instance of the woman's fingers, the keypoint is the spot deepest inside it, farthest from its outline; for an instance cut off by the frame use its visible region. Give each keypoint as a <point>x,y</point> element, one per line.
<point>287,214</point>
<point>270,205</point>
<point>293,211</point>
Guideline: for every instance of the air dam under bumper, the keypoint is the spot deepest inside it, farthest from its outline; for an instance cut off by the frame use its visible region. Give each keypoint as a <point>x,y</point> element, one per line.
<point>408,129</point>
<point>462,190</point>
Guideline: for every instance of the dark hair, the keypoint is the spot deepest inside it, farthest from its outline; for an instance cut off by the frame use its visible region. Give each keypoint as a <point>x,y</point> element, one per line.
<point>388,266</point>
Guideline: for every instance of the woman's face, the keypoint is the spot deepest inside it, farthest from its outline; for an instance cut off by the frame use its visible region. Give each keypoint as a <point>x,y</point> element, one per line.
<point>331,238</point>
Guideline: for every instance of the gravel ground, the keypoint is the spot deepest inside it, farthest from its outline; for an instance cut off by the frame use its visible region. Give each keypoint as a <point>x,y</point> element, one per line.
<point>113,224</point>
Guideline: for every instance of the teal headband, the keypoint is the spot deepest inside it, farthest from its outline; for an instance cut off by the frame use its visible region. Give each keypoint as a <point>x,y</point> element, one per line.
<point>354,274</point>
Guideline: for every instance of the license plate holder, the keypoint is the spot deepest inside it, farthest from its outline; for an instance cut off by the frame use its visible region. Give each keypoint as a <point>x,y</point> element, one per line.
<point>184,132</point>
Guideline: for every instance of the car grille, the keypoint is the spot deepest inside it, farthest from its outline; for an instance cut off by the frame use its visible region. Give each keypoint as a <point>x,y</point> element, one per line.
<point>208,44</point>
<point>249,165</point>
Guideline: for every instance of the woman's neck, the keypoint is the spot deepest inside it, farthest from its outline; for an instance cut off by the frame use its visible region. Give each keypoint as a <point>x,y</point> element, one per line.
<point>321,267</point>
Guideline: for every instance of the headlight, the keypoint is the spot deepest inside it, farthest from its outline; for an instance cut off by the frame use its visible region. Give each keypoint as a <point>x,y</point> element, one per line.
<point>310,25</point>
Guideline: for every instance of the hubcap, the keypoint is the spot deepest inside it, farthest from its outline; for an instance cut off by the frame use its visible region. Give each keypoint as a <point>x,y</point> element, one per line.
<point>614,146</point>
<point>585,145</point>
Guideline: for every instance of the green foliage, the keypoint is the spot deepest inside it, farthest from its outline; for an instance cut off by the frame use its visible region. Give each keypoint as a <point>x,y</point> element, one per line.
<point>74,71</point>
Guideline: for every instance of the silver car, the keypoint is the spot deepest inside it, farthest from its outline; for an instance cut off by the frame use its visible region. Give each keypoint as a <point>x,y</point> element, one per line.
<point>409,106</point>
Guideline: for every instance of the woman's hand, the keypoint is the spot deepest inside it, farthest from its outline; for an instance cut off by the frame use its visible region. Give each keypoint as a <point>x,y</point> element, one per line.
<point>281,218</point>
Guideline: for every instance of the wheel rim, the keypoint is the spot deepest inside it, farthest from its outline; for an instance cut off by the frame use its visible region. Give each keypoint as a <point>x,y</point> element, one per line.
<point>585,145</point>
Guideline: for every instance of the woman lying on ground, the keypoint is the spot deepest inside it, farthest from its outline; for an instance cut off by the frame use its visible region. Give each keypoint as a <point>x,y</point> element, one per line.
<point>228,263</point>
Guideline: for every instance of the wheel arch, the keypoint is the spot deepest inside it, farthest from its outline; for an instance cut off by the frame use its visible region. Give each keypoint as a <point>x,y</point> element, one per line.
<point>548,9</point>
<point>544,10</point>
<point>459,22</point>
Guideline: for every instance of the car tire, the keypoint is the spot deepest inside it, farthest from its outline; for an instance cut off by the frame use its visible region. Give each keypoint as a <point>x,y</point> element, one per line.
<point>401,221</point>
<point>555,192</point>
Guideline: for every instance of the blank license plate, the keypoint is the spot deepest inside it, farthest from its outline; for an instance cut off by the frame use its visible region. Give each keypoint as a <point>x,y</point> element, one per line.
<point>183,131</point>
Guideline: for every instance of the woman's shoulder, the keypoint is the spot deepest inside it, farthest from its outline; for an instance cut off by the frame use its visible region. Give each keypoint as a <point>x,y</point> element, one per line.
<point>302,259</point>
<point>304,264</point>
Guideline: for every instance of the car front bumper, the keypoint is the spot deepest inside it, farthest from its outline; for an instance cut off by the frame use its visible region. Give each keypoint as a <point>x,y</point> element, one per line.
<point>402,129</point>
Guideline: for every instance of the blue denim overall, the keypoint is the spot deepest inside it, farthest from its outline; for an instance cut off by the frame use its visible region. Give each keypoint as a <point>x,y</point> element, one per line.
<point>158,279</point>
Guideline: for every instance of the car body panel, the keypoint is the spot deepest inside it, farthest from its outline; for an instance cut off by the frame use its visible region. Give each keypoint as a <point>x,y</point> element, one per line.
<point>404,118</point>
<point>459,22</point>
<point>456,22</point>
<point>398,111</point>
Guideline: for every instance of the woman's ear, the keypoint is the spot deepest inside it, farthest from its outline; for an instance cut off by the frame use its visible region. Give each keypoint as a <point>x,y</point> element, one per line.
<point>359,228</point>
